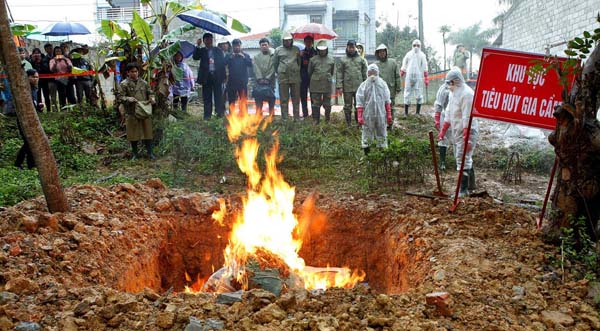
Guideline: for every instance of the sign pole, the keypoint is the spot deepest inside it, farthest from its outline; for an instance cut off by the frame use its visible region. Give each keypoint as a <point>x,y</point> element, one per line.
<point>543,212</point>
<point>462,165</point>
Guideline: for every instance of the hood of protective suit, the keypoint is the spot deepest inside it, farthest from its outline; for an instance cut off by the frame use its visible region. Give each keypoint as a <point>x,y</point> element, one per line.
<point>377,52</point>
<point>416,42</point>
<point>455,75</point>
<point>373,68</point>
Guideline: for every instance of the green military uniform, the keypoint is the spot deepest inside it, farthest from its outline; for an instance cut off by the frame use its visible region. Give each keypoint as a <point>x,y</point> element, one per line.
<point>389,72</point>
<point>460,60</point>
<point>286,61</point>
<point>263,71</point>
<point>351,72</point>
<point>137,129</point>
<point>321,70</point>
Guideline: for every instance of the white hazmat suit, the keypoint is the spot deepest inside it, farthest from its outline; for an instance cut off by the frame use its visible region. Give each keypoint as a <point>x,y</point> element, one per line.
<point>441,103</point>
<point>457,117</point>
<point>414,67</point>
<point>373,98</point>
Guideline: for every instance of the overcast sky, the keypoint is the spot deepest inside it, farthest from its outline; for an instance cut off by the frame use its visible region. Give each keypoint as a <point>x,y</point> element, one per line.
<point>262,15</point>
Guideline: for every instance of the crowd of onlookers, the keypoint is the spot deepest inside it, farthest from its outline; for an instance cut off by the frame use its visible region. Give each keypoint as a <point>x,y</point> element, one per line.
<point>57,85</point>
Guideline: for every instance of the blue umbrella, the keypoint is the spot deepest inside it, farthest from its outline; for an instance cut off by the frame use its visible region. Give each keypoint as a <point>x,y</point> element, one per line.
<point>205,20</point>
<point>65,29</point>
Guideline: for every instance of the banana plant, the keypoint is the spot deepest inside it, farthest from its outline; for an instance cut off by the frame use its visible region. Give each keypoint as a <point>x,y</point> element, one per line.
<point>167,11</point>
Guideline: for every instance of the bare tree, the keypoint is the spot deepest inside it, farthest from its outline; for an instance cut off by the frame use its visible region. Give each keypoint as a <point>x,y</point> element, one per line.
<point>27,116</point>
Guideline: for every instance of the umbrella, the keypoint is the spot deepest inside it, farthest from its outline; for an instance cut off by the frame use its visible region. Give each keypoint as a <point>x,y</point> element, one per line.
<point>315,30</point>
<point>205,20</point>
<point>185,47</point>
<point>65,29</point>
<point>37,35</point>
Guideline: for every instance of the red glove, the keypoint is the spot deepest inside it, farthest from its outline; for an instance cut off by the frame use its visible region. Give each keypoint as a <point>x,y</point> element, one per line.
<point>388,113</point>
<point>426,75</point>
<point>360,110</point>
<point>444,130</point>
<point>402,73</point>
<point>437,120</point>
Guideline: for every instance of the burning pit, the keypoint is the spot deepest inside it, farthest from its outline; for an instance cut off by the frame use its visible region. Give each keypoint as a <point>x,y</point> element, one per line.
<point>192,249</point>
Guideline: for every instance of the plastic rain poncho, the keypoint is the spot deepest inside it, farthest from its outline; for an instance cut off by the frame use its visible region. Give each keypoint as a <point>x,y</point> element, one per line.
<point>441,103</point>
<point>459,111</point>
<point>372,95</point>
<point>415,65</point>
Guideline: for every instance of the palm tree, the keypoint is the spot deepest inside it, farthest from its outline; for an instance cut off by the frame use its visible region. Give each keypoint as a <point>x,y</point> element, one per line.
<point>443,30</point>
<point>473,38</point>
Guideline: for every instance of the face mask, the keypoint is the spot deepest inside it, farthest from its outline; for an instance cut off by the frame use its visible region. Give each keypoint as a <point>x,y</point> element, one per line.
<point>373,78</point>
<point>417,49</point>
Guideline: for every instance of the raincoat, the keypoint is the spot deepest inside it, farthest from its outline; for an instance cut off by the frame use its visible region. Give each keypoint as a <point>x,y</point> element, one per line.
<point>372,95</point>
<point>286,61</point>
<point>459,111</point>
<point>415,65</point>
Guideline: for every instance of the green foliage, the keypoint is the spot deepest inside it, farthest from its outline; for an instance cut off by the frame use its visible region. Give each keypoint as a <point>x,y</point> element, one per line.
<point>404,162</point>
<point>473,38</point>
<point>399,42</point>
<point>18,185</point>
<point>142,29</point>
<point>275,35</point>
<point>579,249</point>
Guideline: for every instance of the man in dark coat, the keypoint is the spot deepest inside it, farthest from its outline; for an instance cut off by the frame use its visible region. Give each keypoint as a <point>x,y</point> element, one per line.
<point>211,74</point>
<point>306,54</point>
<point>238,63</point>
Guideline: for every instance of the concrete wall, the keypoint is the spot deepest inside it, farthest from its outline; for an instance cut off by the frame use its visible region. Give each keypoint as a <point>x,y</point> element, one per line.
<point>532,25</point>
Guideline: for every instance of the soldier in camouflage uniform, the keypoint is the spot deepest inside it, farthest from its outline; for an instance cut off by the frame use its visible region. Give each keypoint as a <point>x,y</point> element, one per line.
<point>131,92</point>
<point>286,61</point>
<point>321,70</point>
<point>389,72</point>
<point>352,71</point>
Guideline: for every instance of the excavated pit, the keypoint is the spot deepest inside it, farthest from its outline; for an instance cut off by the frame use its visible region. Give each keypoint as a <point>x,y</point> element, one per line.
<point>364,241</point>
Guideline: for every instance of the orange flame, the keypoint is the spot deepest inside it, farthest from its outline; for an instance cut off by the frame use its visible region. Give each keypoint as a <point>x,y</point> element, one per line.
<point>267,221</point>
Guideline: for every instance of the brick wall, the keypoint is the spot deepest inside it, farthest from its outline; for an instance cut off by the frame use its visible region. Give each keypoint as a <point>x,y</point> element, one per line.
<point>531,25</point>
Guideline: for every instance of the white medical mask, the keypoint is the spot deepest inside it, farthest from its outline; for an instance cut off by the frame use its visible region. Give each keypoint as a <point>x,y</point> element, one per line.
<point>373,78</point>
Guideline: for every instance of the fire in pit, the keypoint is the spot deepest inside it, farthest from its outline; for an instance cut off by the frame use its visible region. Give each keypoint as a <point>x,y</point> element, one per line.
<point>266,235</point>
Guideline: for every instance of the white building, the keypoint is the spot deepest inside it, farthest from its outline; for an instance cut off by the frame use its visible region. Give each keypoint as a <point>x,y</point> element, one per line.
<point>350,19</point>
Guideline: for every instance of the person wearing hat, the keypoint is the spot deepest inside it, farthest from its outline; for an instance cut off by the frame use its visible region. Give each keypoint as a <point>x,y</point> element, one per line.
<point>414,68</point>
<point>374,109</point>
<point>183,86</point>
<point>264,87</point>
<point>211,75</point>
<point>238,64</point>
<point>286,61</point>
<point>352,71</point>
<point>460,58</point>
<point>306,54</point>
<point>457,119</point>
<point>389,72</point>
<point>321,70</point>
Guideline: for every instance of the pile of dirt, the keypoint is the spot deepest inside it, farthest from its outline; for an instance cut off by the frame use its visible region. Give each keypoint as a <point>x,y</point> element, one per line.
<point>118,261</point>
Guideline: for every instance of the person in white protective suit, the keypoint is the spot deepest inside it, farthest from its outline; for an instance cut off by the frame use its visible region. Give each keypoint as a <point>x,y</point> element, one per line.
<point>457,118</point>
<point>374,109</point>
<point>414,69</point>
<point>441,103</point>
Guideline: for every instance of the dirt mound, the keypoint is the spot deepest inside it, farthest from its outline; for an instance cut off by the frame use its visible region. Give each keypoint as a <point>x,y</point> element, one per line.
<point>119,261</point>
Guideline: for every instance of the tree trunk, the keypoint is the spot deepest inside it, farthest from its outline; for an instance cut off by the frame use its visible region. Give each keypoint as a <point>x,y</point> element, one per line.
<point>38,142</point>
<point>576,142</point>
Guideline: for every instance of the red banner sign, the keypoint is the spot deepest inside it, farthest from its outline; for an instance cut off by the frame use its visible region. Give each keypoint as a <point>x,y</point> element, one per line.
<point>505,92</point>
